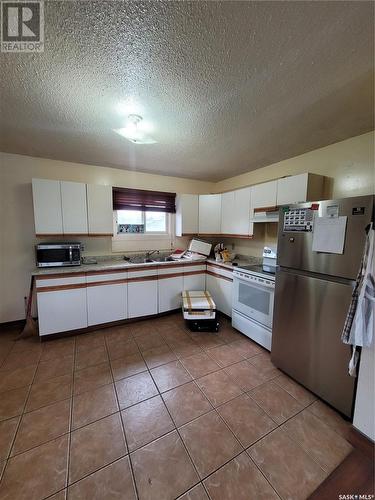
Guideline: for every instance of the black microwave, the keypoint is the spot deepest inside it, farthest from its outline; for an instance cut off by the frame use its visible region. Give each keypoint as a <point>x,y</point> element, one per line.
<point>58,254</point>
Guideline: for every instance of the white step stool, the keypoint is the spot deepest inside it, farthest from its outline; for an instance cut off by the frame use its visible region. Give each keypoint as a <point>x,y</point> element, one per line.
<point>199,311</point>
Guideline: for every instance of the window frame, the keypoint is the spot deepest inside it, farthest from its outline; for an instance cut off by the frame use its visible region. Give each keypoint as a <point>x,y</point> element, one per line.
<point>167,234</point>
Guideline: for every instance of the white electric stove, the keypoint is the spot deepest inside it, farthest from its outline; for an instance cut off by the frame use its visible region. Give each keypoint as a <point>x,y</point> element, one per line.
<point>253,297</point>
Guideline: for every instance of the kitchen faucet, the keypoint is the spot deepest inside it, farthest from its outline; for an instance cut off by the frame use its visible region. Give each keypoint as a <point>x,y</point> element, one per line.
<point>148,254</point>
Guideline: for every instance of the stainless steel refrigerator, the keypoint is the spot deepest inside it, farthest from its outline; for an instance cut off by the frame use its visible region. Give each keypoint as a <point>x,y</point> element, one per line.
<point>320,246</point>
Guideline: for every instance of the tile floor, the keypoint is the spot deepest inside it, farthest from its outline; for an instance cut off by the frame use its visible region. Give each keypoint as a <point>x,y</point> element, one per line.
<point>149,410</point>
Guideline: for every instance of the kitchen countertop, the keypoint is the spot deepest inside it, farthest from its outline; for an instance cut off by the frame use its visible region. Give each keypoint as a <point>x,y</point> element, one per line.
<point>240,260</point>
<point>229,265</point>
<point>108,265</point>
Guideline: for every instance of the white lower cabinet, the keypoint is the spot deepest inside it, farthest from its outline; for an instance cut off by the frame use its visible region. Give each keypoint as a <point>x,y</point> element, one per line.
<point>107,297</point>
<point>94,298</point>
<point>106,303</point>
<point>170,285</point>
<point>195,282</point>
<point>62,310</point>
<point>142,298</point>
<point>221,290</point>
<point>170,293</point>
<point>225,288</point>
<point>142,291</point>
<point>194,277</point>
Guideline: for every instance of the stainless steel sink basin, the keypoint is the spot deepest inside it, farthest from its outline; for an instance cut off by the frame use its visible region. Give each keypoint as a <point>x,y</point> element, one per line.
<point>138,260</point>
<point>142,259</point>
<point>163,259</point>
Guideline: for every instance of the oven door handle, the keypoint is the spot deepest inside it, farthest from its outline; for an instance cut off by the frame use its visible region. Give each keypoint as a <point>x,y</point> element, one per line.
<point>262,286</point>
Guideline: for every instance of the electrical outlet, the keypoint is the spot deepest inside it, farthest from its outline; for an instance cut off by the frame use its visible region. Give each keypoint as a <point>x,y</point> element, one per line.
<point>82,247</point>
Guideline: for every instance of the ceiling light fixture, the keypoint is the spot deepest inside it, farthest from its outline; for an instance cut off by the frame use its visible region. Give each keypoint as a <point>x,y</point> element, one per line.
<point>136,130</point>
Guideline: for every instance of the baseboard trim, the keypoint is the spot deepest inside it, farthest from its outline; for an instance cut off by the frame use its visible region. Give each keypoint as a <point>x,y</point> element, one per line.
<point>355,475</point>
<point>12,325</point>
<point>103,326</point>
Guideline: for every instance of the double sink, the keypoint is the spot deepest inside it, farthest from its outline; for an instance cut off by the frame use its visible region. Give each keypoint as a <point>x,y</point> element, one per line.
<point>144,259</point>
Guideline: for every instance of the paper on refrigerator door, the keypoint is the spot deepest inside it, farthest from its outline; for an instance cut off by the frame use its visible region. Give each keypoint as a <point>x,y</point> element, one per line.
<point>329,234</point>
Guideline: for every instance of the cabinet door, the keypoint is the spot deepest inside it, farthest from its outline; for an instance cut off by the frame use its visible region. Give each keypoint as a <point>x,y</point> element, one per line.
<point>142,298</point>
<point>209,213</point>
<point>74,207</point>
<point>227,215</point>
<point>241,212</point>
<point>221,291</point>
<point>225,291</point>
<point>235,212</point>
<point>195,282</point>
<point>212,286</point>
<point>106,303</point>
<point>170,293</point>
<point>187,214</point>
<point>99,209</point>
<point>195,277</point>
<point>292,189</point>
<point>264,195</point>
<point>62,310</point>
<point>47,206</point>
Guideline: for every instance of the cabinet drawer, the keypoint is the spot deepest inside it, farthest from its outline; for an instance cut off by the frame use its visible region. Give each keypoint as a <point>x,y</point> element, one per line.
<point>55,282</point>
<point>170,271</point>
<point>148,273</point>
<point>193,269</point>
<point>220,272</point>
<point>106,278</point>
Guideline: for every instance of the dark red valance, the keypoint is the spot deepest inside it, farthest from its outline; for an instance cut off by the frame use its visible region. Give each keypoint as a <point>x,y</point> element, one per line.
<point>139,199</point>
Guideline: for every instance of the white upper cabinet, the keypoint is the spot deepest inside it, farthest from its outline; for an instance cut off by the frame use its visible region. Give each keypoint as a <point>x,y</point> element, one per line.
<point>187,206</point>
<point>210,214</point>
<point>297,188</point>
<point>264,195</point>
<point>74,207</point>
<point>64,207</point>
<point>235,212</point>
<point>100,209</point>
<point>242,226</point>
<point>47,206</point>
<point>227,219</point>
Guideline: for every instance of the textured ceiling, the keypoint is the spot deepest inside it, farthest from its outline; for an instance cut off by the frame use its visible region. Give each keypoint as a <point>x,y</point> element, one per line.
<point>229,86</point>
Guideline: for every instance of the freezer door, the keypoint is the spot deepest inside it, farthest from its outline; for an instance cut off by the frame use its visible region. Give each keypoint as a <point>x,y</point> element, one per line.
<point>308,319</point>
<point>294,249</point>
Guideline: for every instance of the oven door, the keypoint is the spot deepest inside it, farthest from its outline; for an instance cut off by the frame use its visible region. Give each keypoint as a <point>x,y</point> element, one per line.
<point>254,300</point>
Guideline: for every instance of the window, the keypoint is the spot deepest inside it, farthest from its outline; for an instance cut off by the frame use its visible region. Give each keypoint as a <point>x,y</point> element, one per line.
<point>142,212</point>
<point>139,222</point>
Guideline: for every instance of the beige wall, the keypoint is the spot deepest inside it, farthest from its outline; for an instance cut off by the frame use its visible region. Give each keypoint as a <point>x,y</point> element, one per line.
<point>349,164</point>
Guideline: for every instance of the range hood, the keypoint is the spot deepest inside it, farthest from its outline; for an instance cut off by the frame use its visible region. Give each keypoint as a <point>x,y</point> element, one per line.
<point>265,215</point>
